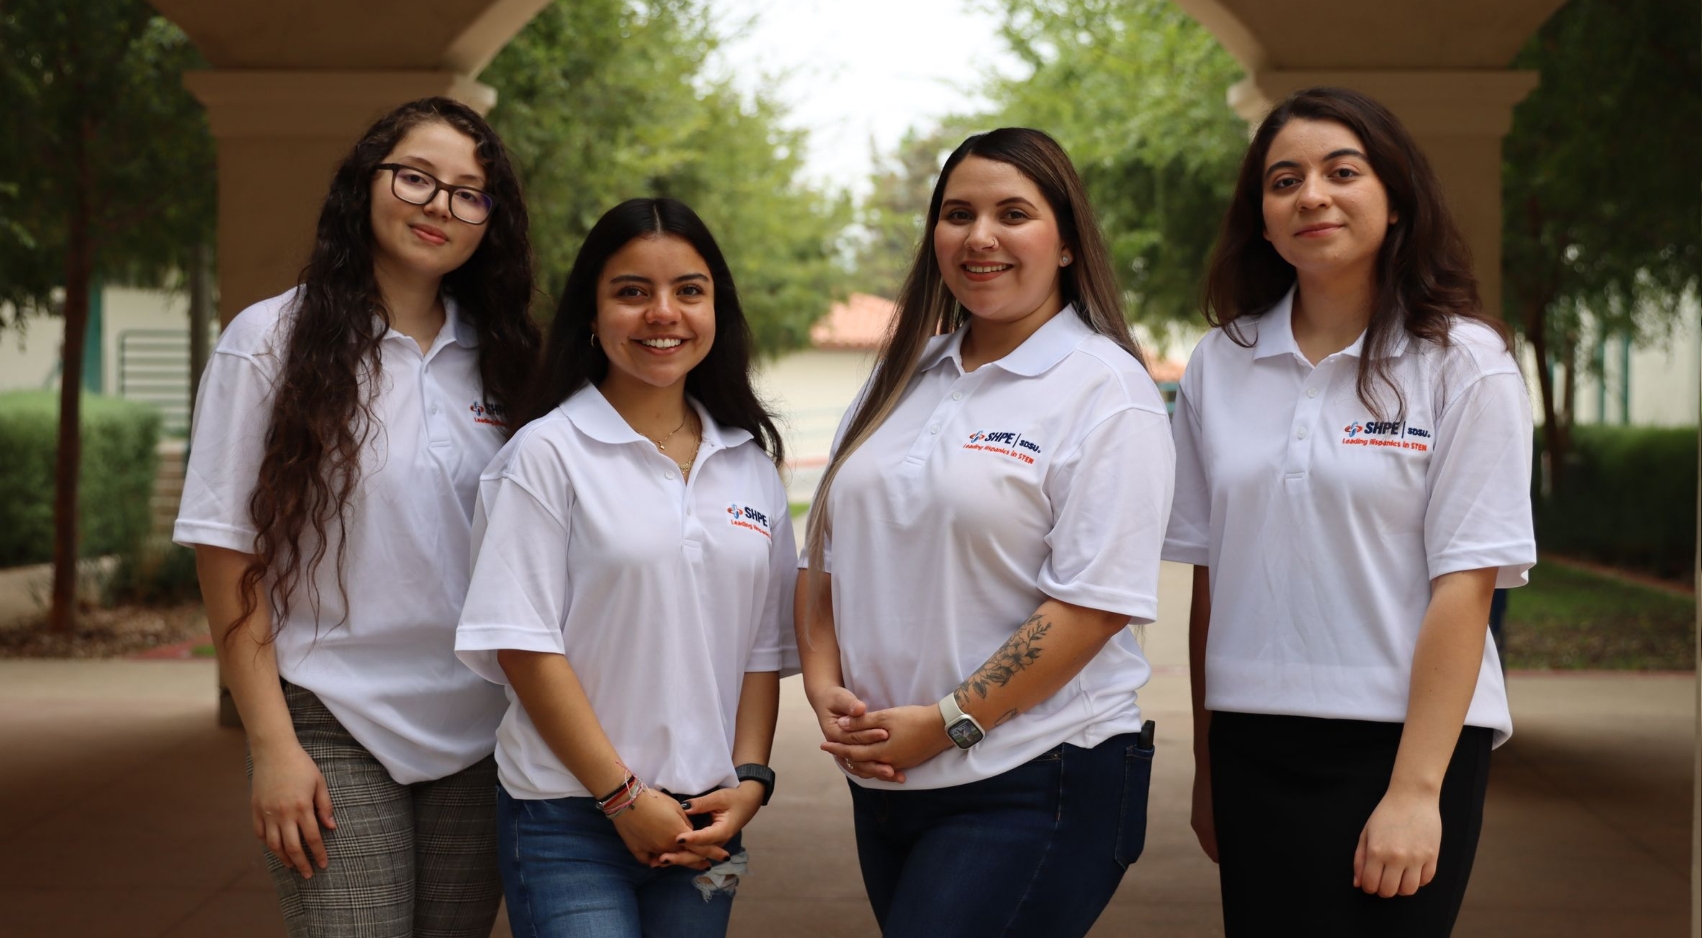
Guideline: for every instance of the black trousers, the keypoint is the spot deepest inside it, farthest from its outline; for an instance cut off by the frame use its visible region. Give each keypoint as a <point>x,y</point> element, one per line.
<point>1290,796</point>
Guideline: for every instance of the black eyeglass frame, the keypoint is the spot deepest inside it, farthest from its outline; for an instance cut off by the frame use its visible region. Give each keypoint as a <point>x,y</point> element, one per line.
<point>437,185</point>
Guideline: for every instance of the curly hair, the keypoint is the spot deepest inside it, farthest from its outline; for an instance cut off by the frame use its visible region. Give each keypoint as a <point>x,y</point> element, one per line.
<point>721,382</point>
<point>1424,272</point>
<point>320,418</point>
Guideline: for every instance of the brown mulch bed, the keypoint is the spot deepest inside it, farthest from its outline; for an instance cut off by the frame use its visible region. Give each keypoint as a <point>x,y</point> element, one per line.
<point>105,633</point>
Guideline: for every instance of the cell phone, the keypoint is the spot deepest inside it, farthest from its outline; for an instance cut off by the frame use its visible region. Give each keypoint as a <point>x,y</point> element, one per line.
<point>1148,729</point>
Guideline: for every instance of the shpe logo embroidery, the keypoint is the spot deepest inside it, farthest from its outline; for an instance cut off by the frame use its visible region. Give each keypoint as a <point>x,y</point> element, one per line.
<point>1386,433</point>
<point>1004,443</point>
<point>744,516</point>
<point>486,412</point>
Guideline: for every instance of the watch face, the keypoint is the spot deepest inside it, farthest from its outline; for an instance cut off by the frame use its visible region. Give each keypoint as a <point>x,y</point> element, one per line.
<point>964,733</point>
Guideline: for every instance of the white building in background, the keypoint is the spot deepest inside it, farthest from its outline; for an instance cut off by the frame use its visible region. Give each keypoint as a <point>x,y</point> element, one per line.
<point>1656,385</point>
<point>144,350</point>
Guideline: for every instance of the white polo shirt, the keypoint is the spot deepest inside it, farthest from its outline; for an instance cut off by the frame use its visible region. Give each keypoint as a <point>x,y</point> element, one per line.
<point>1323,525</point>
<point>389,672</point>
<point>661,593</point>
<point>1046,474</point>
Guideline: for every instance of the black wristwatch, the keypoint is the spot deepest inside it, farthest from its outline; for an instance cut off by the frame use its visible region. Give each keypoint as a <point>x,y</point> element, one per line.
<point>753,772</point>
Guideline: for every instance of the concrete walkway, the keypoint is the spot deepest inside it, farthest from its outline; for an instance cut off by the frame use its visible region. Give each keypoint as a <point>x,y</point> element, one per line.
<point>123,812</point>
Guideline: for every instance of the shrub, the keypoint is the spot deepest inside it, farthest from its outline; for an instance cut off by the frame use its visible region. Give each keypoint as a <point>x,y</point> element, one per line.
<point>154,573</point>
<point>1628,499</point>
<point>117,478</point>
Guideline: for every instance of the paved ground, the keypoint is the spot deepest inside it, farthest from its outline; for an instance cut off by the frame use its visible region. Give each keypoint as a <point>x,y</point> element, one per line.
<point>123,813</point>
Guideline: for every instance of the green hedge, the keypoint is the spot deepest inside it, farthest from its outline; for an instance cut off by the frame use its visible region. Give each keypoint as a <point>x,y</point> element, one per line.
<point>119,463</point>
<point>1628,499</point>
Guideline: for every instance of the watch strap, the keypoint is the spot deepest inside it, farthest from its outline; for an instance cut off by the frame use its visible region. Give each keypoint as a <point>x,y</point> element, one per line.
<point>756,772</point>
<point>964,730</point>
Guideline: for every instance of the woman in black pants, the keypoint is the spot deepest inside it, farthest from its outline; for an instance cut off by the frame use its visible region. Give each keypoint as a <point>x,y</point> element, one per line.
<point>1352,483</point>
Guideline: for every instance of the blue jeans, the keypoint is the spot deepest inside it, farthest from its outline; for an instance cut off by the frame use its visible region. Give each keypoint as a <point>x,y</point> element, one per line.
<point>567,874</point>
<point>1037,851</point>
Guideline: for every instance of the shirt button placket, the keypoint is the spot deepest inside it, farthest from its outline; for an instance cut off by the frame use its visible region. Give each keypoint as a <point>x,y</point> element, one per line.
<point>1308,406</point>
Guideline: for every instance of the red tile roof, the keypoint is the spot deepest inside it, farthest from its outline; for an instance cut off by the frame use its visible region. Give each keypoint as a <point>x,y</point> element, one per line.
<point>858,323</point>
<point>1165,369</point>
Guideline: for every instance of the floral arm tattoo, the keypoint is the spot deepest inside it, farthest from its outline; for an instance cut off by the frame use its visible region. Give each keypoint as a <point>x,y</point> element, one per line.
<point>1017,653</point>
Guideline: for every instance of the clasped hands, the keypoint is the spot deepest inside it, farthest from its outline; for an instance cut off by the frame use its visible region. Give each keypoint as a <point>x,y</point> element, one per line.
<point>658,831</point>
<point>878,744</point>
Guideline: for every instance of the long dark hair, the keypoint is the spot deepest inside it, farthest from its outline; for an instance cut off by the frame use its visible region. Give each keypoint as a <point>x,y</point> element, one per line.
<point>926,308</point>
<point>721,382</point>
<point>320,418</point>
<point>1423,270</point>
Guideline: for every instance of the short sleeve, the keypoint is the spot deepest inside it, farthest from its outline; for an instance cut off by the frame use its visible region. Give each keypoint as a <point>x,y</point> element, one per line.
<point>776,647</point>
<point>232,412</point>
<point>1479,510</point>
<point>1188,539</point>
<point>518,594</point>
<point>1111,501</point>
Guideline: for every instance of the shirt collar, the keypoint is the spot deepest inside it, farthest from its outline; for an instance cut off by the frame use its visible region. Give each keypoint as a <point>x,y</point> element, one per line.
<point>592,413</point>
<point>454,329</point>
<point>1274,334</point>
<point>464,333</point>
<point>1039,353</point>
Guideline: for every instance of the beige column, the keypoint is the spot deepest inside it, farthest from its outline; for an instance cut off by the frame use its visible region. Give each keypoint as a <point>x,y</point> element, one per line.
<point>1458,117</point>
<point>280,136</point>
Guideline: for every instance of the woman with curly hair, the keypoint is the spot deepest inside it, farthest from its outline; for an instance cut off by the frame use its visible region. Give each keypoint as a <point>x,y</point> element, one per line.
<point>338,442</point>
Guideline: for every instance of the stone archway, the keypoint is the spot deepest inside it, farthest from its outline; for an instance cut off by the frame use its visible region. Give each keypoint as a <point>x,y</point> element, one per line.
<point>1441,66</point>
<point>293,82</point>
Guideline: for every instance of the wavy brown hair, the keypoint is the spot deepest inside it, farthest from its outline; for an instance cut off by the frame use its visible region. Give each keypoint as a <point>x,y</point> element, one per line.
<point>926,307</point>
<point>1423,269</point>
<point>321,418</point>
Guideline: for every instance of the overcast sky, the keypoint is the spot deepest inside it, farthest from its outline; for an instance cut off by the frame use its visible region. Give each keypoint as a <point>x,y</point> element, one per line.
<point>850,72</point>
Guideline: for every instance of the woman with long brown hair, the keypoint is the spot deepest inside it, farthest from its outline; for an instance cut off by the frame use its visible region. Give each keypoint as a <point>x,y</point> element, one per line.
<point>987,528</point>
<point>1353,448</point>
<point>341,431</point>
<point>632,587</point>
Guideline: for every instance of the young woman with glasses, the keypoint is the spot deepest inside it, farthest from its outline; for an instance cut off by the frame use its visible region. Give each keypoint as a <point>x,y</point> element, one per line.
<point>987,528</point>
<point>337,446</point>
<point>1353,456</point>
<point>632,587</point>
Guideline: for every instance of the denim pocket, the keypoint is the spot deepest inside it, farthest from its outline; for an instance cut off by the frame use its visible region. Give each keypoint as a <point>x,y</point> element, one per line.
<point>1131,820</point>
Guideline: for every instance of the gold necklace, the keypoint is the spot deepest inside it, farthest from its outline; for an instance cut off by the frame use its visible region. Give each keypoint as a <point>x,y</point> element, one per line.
<point>662,444</point>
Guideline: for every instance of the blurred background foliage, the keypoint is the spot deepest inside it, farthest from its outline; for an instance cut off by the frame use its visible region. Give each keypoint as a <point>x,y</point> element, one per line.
<point>605,100</point>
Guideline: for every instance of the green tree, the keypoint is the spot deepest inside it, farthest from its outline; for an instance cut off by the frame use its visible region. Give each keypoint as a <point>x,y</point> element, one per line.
<point>1135,91</point>
<point>604,100</point>
<point>1599,183</point>
<point>110,166</point>
<point>890,215</point>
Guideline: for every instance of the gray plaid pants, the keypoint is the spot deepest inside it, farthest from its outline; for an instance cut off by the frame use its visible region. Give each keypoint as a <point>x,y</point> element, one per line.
<point>406,861</point>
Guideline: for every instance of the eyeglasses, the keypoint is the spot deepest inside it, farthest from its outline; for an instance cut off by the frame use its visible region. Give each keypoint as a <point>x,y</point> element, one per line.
<point>418,187</point>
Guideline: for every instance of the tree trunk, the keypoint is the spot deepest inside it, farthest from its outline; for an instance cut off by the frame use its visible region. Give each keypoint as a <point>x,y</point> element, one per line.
<point>1568,402</point>
<point>1554,441</point>
<point>79,271</point>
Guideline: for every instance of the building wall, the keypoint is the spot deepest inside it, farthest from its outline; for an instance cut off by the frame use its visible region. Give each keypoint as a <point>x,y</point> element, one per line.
<point>810,391</point>
<point>1664,378</point>
<point>30,355</point>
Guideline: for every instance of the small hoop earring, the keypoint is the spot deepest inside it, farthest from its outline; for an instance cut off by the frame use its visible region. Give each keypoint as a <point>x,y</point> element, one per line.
<point>594,341</point>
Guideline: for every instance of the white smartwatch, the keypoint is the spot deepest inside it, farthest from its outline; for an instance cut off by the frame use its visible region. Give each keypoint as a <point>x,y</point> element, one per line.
<point>960,726</point>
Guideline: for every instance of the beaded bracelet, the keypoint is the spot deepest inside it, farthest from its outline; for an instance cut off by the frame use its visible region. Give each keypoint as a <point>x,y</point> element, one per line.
<point>622,799</point>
